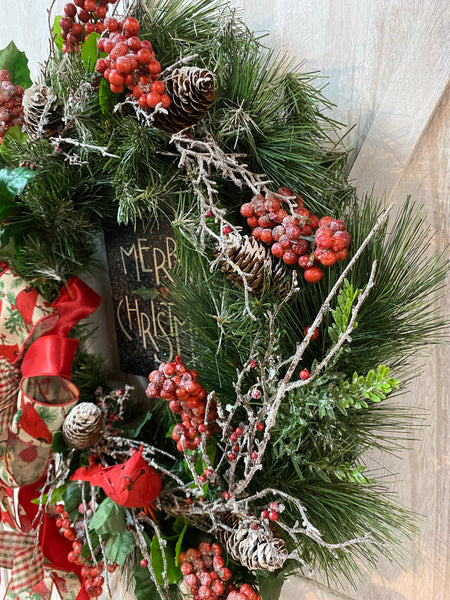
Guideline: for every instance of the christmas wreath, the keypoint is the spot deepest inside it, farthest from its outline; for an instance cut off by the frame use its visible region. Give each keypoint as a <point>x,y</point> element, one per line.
<point>299,307</point>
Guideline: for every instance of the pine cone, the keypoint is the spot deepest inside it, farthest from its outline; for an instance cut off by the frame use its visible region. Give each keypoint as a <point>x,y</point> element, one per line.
<point>191,91</point>
<point>42,113</point>
<point>264,270</point>
<point>83,426</point>
<point>253,548</point>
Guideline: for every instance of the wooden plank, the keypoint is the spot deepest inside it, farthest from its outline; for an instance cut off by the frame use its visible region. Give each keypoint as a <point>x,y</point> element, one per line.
<point>300,589</point>
<point>424,474</point>
<point>408,105</point>
<point>356,45</point>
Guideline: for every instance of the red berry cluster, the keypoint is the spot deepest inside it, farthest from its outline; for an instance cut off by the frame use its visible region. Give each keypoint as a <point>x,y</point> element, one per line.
<point>207,576</point>
<point>91,17</point>
<point>272,512</point>
<point>187,397</point>
<point>246,592</point>
<point>204,571</point>
<point>11,109</point>
<point>93,579</point>
<point>92,573</point>
<point>292,236</point>
<point>131,63</point>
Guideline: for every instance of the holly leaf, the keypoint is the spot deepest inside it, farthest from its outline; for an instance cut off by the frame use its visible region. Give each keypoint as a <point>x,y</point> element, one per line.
<point>105,97</point>
<point>89,52</point>
<point>57,496</point>
<point>72,500</point>
<point>269,585</point>
<point>144,588</point>
<point>180,527</point>
<point>12,182</point>
<point>119,546</point>
<point>15,61</point>
<point>108,518</point>
<point>173,572</point>
<point>56,30</point>
<point>12,136</point>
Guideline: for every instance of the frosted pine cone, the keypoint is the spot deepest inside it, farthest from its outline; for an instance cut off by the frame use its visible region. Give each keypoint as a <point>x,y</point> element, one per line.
<point>191,91</point>
<point>253,548</point>
<point>263,270</point>
<point>42,114</point>
<point>83,426</point>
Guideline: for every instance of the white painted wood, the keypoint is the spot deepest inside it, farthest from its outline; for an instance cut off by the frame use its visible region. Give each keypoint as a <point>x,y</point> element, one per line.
<point>408,105</point>
<point>26,23</point>
<point>423,473</point>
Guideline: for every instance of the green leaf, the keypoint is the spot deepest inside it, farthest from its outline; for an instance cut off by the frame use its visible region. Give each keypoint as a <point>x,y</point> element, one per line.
<point>13,135</point>
<point>56,29</point>
<point>89,51</point>
<point>173,572</point>
<point>13,181</point>
<point>108,518</point>
<point>133,428</point>
<point>180,526</point>
<point>57,496</point>
<point>94,543</point>
<point>144,588</point>
<point>269,585</point>
<point>59,443</point>
<point>169,431</point>
<point>72,500</point>
<point>119,546</point>
<point>105,97</point>
<point>15,61</point>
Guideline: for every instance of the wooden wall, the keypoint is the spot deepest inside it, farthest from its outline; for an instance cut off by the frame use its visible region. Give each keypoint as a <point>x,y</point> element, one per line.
<point>387,64</point>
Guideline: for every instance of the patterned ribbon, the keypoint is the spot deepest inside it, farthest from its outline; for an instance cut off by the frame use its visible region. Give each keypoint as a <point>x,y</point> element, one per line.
<point>35,396</point>
<point>9,384</point>
<point>33,335</point>
<point>18,552</point>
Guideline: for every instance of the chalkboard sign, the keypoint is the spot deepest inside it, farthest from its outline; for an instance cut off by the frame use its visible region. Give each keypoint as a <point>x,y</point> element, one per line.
<point>147,330</point>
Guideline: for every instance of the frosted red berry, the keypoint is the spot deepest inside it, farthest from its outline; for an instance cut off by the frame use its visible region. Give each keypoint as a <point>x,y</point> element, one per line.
<point>313,274</point>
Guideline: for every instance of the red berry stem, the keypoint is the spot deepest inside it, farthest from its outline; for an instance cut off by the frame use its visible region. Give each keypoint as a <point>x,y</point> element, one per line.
<point>208,578</point>
<point>187,398</point>
<point>292,231</point>
<point>11,109</point>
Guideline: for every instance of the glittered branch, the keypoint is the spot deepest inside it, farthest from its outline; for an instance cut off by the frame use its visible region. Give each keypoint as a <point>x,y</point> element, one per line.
<point>142,545</point>
<point>274,379</point>
<point>200,159</point>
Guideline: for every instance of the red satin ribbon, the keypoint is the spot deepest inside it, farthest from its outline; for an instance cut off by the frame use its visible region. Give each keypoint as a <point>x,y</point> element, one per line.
<point>53,353</point>
<point>50,355</point>
<point>75,301</point>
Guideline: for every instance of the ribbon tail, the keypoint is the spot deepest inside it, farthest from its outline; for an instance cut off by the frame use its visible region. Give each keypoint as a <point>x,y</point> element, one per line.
<point>28,570</point>
<point>19,553</point>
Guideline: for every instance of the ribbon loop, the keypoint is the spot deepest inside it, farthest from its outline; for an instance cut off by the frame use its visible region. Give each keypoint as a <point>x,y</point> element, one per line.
<point>50,355</point>
<point>75,302</point>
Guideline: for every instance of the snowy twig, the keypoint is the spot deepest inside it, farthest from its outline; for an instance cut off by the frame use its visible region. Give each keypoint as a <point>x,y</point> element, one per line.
<point>101,149</point>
